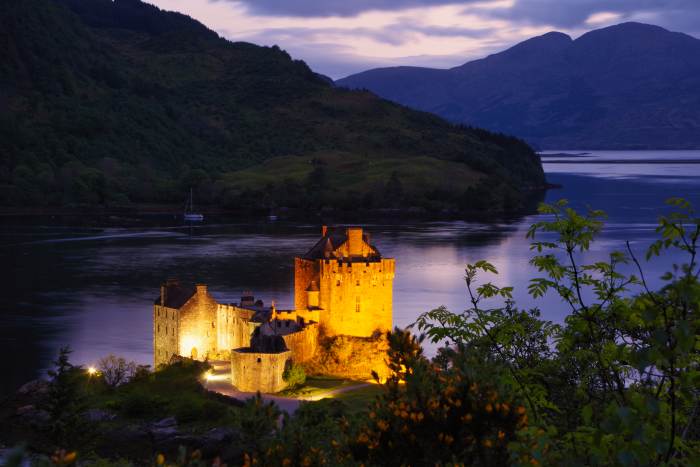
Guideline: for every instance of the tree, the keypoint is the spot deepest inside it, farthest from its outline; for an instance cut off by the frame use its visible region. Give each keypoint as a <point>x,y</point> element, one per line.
<point>294,375</point>
<point>65,402</point>
<point>618,382</point>
<point>116,370</point>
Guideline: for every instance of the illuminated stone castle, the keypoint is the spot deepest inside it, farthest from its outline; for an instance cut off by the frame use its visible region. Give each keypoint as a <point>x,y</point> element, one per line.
<point>342,287</point>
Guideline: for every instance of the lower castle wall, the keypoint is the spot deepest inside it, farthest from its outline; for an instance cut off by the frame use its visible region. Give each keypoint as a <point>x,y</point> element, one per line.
<point>234,328</point>
<point>253,371</point>
<point>304,343</point>
<point>350,357</point>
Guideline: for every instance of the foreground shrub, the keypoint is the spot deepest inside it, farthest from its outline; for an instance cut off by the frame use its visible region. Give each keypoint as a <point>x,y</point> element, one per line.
<point>618,382</point>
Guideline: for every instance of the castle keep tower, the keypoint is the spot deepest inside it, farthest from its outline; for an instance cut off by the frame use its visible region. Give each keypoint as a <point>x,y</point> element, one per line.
<point>345,279</point>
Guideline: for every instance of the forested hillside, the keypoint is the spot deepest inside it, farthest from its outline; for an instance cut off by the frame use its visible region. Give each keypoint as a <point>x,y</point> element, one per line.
<point>117,102</point>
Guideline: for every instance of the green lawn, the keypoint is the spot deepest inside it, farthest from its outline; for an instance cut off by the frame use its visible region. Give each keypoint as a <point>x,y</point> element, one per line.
<point>356,400</point>
<point>318,385</point>
<point>353,172</point>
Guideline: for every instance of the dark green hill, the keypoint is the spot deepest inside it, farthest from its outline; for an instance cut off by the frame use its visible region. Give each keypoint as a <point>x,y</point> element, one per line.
<point>115,102</point>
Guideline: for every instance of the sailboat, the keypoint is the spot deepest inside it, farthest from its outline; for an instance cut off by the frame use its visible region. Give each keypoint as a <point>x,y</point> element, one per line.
<point>190,215</point>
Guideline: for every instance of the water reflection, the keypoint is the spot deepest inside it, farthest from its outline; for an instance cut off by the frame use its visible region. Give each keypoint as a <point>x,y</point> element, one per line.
<point>93,288</point>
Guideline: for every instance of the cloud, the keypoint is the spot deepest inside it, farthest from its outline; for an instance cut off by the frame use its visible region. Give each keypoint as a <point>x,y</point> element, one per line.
<point>307,8</point>
<point>575,13</point>
<point>338,38</point>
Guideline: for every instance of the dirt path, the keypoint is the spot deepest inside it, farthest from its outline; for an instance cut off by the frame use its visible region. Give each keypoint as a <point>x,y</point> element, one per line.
<point>288,404</point>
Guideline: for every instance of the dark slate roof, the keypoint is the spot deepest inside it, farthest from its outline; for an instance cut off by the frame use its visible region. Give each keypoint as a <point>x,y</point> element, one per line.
<point>335,236</point>
<point>176,294</point>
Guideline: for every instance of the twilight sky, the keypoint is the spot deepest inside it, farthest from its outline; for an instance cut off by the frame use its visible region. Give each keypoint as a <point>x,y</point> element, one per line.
<point>341,37</point>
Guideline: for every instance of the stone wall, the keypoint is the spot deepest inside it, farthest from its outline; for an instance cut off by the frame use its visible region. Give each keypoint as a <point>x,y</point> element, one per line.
<point>356,296</point>
<point>303,343</point>
<point>234,328</point>
<point>166,334</point>
<point>253,371</point>
<point>350,357</point>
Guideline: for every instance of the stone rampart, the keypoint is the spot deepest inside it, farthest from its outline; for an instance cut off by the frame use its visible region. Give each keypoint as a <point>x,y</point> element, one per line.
<point>254,371</point>
<point>303,343</point>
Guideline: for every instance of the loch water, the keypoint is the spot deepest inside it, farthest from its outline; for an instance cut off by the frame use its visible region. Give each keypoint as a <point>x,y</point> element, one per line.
<point>93,289</point>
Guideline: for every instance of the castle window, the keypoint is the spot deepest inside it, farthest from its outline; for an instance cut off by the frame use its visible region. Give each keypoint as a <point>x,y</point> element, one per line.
<point>357,304</point>
<point>159,328</point>
<point>337,284</point>
<point>212,325</point>
<point>166,328</point>
<point>357,283</point>
<point>287,323</point>
<point>279,324</point>
<point>259,360</point>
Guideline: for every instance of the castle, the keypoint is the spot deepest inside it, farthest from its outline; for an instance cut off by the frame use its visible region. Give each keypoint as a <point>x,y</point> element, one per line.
<point>342,289</point>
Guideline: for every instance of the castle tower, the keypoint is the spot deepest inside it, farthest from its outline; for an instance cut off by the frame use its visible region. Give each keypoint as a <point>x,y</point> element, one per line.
<point>347,278</point>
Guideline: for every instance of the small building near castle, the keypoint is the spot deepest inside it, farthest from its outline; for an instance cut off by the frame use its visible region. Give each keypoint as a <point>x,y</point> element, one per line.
<point>342,289</point>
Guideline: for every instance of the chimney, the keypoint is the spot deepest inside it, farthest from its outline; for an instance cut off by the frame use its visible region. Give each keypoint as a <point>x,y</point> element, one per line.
<point>201,289</point>
<point>324,230</point>
<point>354,241</point>
<point>163,294</point>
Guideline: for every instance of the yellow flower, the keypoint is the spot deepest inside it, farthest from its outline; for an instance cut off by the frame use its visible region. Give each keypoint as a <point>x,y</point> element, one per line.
<point>70,457</point>
<point>160,459</point>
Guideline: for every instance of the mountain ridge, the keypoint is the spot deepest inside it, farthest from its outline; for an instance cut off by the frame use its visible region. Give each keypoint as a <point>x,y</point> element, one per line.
<point>627,86</point>
<point>118,102</point>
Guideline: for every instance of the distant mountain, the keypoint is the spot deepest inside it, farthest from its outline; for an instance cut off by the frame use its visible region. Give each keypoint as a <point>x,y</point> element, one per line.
<point>114,102</point>
<point>627,86</point>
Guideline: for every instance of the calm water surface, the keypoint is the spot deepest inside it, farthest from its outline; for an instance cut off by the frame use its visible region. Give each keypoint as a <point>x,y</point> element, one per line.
<point>93,288</point>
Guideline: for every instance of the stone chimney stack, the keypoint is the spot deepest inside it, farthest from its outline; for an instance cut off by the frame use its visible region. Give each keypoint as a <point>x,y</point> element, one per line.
<point>354,241</point>
<point>163,294</point>
<point>201,289</point>
<point>324,230</point>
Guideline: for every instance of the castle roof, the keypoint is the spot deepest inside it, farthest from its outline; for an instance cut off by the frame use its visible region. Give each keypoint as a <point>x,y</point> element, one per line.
<point>333,239</point>
<point>176,294</point>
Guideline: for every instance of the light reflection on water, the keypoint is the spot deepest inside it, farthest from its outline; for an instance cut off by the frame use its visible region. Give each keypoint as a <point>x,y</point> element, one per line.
<point>93,288</point>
